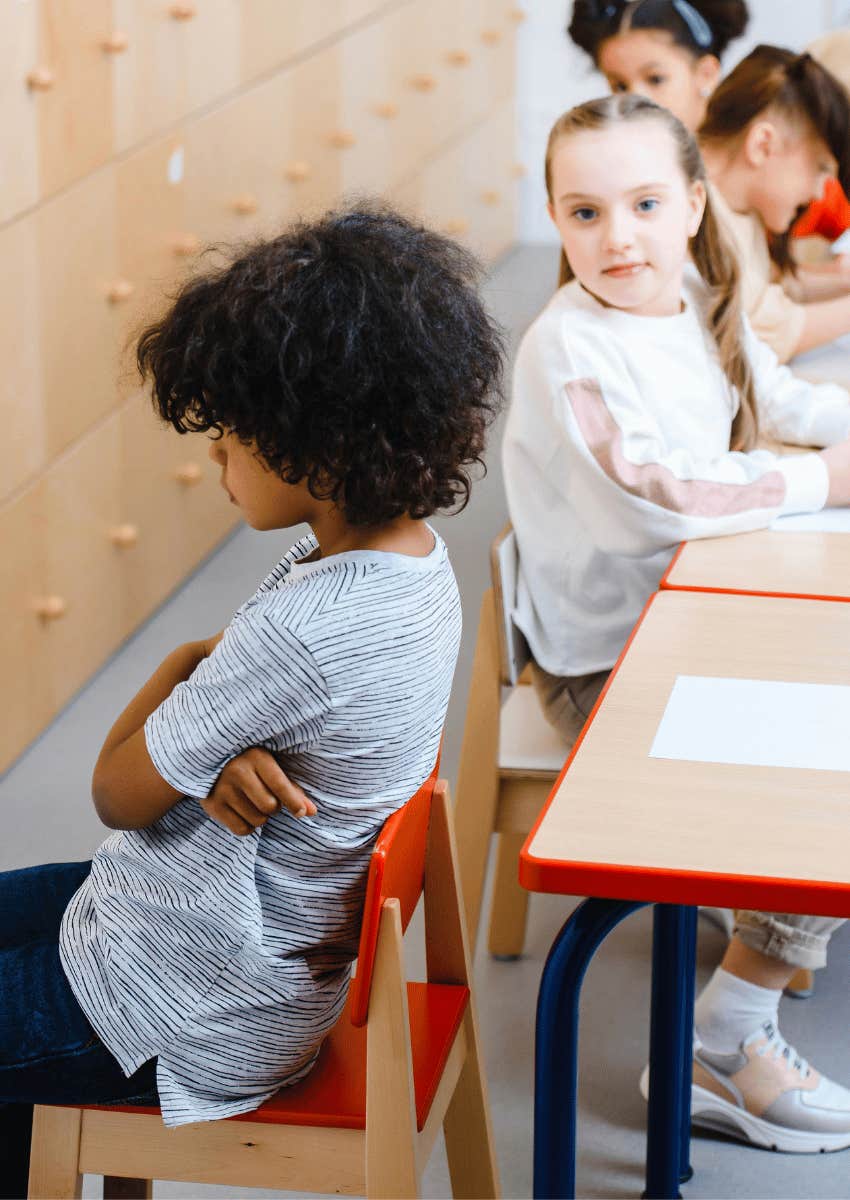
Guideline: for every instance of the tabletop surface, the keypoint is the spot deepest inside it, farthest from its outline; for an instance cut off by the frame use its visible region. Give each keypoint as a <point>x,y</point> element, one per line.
<point>621,824</point>
<point>815,564</point>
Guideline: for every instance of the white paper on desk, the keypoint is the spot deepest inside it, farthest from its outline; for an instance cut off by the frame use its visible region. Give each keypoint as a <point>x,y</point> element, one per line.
<point>828,520</point>
<point>756,722</point>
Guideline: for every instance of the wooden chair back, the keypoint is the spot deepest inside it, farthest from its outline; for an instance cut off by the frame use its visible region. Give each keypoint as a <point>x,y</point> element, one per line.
<point>396,869</point>
<point>514,654</point>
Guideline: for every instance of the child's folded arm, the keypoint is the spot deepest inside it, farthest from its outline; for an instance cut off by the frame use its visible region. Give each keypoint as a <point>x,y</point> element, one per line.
<point>127,789</point>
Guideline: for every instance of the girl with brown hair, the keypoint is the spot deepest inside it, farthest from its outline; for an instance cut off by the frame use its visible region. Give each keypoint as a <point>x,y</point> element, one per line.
<point>638,395</point>
<point>775,131</point>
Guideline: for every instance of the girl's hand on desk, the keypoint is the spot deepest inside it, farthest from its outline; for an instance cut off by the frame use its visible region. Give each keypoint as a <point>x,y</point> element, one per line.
<point>250,789</point>
<point>837,459</point>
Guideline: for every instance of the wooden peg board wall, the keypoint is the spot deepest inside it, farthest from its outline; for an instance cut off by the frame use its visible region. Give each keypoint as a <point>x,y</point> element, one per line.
<point>132,133</point>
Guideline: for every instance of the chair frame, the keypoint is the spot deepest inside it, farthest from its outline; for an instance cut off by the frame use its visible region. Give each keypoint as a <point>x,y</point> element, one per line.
<point>495,800</point>
<point>386,1159</point>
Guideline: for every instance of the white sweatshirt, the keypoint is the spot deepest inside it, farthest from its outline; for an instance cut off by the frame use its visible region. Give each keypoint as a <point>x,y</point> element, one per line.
<point>617,449</point>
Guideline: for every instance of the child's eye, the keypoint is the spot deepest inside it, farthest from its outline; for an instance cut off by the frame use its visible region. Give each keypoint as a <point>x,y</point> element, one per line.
<point>647,205</point>
<point>583,214</point>
<point>657,80</point>
<point>618,87</point>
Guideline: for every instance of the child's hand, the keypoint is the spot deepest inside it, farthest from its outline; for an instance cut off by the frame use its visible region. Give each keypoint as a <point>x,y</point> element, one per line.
<point>250,789</point>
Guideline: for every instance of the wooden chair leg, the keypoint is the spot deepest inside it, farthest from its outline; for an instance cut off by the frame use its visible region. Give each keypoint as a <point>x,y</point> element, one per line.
<point>391,1167</point>
<point>509,906</point>
<point>469,1137</point>
<point>478,773</point>
<point>55,1154</point>
<point>115,1187</point>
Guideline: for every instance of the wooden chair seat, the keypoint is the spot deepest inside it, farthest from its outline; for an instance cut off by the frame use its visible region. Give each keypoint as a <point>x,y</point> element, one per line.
<point>527,742</point>
<point>334,1093</point>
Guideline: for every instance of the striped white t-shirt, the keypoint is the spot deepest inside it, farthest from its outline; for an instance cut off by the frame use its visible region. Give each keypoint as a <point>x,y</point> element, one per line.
<point>229,957</point>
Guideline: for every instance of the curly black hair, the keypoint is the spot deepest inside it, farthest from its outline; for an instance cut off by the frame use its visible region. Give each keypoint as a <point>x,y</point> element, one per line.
<point>353,351</point>
<point>698,26</point>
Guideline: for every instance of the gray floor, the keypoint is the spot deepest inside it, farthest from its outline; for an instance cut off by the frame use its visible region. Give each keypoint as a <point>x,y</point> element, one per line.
<point>47,816</point>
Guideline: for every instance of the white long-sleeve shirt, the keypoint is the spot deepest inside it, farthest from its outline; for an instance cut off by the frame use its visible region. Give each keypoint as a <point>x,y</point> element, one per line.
<point>617,449</point>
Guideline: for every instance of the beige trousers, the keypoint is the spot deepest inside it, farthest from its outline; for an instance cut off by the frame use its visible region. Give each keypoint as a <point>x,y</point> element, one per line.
<point>798,940</point>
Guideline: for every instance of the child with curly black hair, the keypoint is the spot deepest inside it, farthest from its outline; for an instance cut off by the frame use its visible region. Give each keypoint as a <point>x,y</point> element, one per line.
<point>347,372</point>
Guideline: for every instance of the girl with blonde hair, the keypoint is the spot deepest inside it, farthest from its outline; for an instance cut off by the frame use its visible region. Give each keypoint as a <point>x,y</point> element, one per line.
<point>638,396</point>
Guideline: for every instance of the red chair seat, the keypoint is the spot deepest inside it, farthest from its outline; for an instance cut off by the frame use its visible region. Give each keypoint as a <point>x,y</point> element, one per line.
<point>334,1093</point>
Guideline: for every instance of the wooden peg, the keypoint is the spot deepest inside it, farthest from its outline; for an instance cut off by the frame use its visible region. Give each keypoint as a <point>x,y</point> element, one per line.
<point>386,109</point>
<point>186,244</point>
<point>491,197</point>
<point>297,171</point>
<point>518,170</point>
<point>51,608</point>
<point>517,14</point>
<point>458,58</point>
<point>182,12</point>
<point>423,82</point>
<point>341,139</point>
<point>120,291</point>
<point>456,226</point>
<point>124,536</point>
<point>41,79</point>
<point>116,43</point>
<point>189,474</point>
<point>245,204</point>
<point>491,37</point>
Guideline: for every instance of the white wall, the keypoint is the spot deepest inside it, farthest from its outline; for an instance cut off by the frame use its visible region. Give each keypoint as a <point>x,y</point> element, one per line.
<point>552,75</point>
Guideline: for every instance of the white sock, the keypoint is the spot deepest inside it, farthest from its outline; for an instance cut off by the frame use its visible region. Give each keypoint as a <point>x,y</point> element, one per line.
<point>729,1009</point>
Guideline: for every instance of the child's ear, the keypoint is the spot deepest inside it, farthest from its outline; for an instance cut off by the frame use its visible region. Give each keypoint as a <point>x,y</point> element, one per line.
<point>696,207</point>
<point>760,142</point>
<point>707,73</point>
<point>550,208</point>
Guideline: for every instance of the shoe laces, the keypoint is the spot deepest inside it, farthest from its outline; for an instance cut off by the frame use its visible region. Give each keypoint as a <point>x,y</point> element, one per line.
<point>776,1047</point>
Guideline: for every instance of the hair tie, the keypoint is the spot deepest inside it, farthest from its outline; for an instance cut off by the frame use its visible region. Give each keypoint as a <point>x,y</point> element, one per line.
<point>698,27</point>
<point>606,11</point>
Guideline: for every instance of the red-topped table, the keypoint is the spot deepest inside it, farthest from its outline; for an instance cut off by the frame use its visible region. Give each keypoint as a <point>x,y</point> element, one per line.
<point>814,565</point>
<point>633,828</point>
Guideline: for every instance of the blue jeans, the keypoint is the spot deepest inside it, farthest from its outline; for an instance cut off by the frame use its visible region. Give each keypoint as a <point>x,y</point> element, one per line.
<point>49,1053</point>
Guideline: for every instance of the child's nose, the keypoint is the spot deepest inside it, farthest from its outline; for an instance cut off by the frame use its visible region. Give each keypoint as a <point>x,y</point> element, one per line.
<point>619,231</point>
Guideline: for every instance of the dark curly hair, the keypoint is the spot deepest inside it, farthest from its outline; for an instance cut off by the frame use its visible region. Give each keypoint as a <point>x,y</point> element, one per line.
<point>353,351</point>
<point>698,26</point>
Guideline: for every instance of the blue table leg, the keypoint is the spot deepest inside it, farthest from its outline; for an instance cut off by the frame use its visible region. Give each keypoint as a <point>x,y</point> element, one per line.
<point>686,1171</point>
<point>556,1047</point>
<point>670,1049</point>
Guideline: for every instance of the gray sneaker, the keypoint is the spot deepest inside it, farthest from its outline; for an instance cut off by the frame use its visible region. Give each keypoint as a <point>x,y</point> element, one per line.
<point>766,1094</point>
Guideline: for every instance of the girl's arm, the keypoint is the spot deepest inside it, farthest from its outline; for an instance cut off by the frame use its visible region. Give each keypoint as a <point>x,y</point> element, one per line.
<point>823,322</point>
<point>793,409</point>
<point>127,789</point>
<point>823,281</point>
<point>615,457</point>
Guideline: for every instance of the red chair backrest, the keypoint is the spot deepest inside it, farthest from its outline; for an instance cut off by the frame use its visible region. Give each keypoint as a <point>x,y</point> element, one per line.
<point>396,868</point>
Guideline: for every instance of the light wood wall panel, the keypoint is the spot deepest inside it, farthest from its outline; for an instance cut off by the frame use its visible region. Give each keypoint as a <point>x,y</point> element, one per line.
<point>134,133</point>
<point>19,147</point>
<point>71,83</point>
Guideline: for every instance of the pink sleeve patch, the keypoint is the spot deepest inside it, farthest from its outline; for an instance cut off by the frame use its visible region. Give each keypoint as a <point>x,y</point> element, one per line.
<point>657,483</point>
